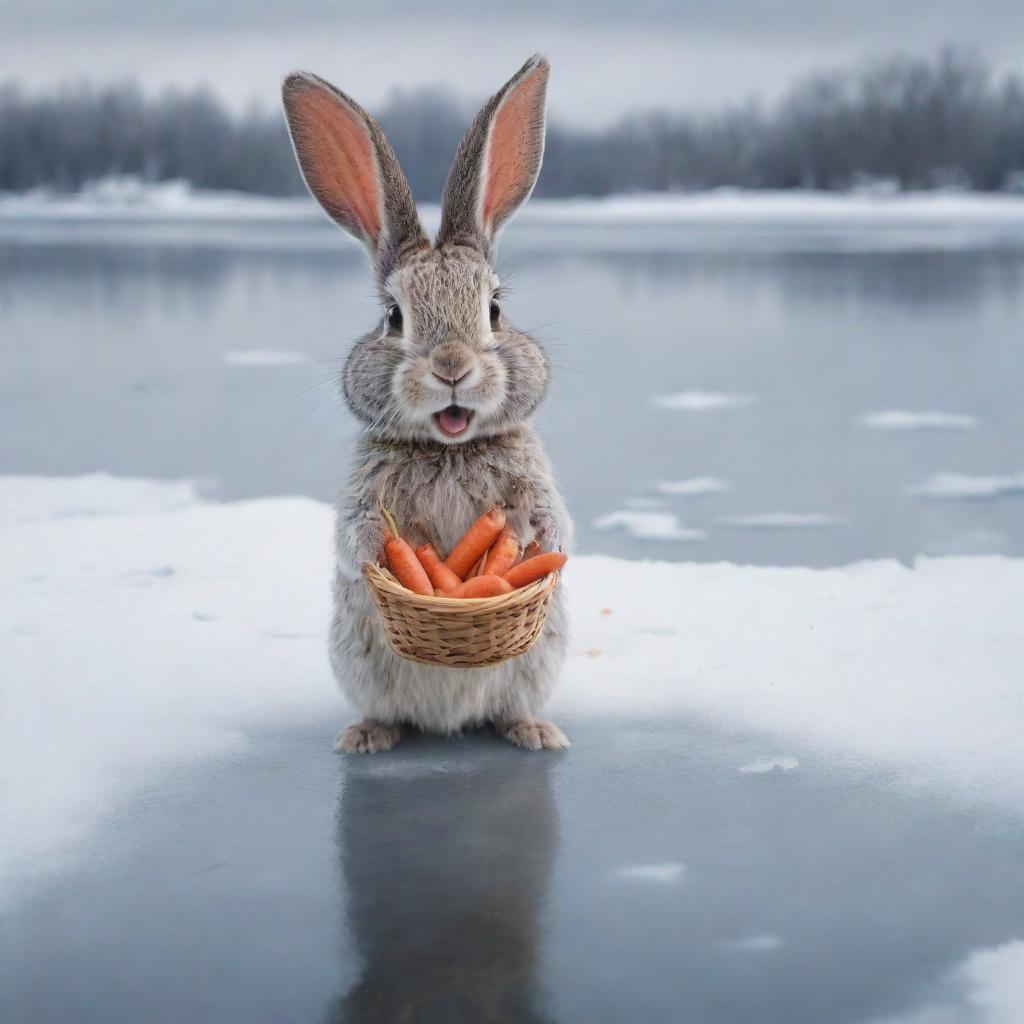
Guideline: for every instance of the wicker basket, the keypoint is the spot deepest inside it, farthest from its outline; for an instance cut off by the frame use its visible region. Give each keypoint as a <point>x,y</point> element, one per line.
<point>462,632</point>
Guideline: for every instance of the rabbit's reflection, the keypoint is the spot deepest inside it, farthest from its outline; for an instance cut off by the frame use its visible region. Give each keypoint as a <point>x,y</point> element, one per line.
<point>446,853</point>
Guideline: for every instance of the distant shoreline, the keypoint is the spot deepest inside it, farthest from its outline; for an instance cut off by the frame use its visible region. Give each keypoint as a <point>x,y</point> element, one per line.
<point>129,199</point>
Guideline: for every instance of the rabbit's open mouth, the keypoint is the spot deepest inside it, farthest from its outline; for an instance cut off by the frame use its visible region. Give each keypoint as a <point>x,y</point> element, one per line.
<point>454,420</point>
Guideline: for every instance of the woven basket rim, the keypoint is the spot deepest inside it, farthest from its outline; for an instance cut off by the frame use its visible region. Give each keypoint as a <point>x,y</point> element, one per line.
<point>382,579</point>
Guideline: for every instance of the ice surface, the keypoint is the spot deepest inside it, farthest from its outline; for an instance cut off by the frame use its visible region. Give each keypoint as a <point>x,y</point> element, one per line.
<point>963,487</point>
<point>145,628</point>
<point>702,401</point>
<point>648,524</point>
<point>694,486</point>
<point>898,421</point>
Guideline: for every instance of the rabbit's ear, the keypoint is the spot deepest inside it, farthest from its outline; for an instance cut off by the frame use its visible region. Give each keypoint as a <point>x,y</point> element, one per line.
<point>351,169</point>
<point>497,162</point>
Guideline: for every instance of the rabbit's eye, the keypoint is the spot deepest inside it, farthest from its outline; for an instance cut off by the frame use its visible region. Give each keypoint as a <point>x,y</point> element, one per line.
<point>394,317</point>
<point>495,313</point>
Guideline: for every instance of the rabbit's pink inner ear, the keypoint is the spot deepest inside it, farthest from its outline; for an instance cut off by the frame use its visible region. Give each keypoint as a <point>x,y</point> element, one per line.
<point>514,146</point>
<point>338,160</point>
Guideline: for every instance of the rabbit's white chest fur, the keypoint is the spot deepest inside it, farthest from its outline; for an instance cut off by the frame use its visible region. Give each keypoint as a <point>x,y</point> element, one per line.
<point>435,493</point>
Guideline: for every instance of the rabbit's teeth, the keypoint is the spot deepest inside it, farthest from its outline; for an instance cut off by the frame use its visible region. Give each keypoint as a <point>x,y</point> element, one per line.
<point>454,420</point>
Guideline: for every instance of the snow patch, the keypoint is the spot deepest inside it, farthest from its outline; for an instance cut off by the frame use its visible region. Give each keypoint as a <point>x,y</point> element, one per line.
<point>648,525</point>
<point>693,487</point>
<point>128,196</point>
<point>985,988</point>
<point>703,401</point>
<point>115,669</point>
<point>661,874</point>
<point>764,943</point>
<point>263,357</point>
<point>962,487</point>
<point>771,764</point>
<point>782,521</point>
<point>892,421</point>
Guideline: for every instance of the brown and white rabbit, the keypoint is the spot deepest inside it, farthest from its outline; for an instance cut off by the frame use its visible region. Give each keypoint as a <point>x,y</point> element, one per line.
<point>445,387</point>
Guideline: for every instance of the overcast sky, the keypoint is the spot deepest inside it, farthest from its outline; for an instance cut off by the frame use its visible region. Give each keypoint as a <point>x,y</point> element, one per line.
<point>608,57</point>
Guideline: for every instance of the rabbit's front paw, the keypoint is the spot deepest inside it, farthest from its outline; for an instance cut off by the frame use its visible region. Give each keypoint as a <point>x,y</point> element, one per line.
<point>367,737</point>
<point>533,734</point>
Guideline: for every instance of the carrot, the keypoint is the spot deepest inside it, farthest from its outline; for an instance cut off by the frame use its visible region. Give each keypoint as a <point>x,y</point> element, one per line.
<point>481,586</point>
<point>439,574</point>
<point>478,568</point>
<point>476,540</point>
<point>530,551</point>
<point>534,568</point>
<point>503,554</point>
<point>402,561</point>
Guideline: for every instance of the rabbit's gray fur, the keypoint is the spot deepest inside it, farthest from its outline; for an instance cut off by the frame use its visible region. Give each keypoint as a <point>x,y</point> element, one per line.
<point>434,486</point>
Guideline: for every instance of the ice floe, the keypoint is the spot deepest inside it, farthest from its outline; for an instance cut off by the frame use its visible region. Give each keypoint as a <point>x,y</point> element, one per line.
<point>898,421</point>
<point>648,524</point>
<point>703,401</point>
<point>964,487</point>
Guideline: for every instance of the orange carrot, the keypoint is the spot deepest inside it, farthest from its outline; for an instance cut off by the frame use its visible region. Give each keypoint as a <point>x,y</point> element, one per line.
<point>478,568</point>
<point>439,574</point>
<point>481,586</point>
<point>530,551</point>
<point>477,539</point>
<point>503,554</point>
<point>534,568</point>
<point>402,561</point>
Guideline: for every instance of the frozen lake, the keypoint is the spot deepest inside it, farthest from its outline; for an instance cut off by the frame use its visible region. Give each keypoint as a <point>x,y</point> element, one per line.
<point>794,797</point>
<point>800,393</point>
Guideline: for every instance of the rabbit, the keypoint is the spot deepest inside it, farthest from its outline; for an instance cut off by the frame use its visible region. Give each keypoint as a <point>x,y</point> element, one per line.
<point>444,387</point>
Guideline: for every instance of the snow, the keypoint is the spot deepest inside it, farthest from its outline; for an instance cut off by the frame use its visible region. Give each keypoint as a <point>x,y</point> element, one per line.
<point>660,874</point>
<point>788,207</point>
<point>263,357</point>
<point>145,628</point>
<point>963,487</point>
<point>987,987</point>
<point>128,197</point>
<point>764,943</point>
<point>785,763</point>
<point>703,401</point>
<point>782,521</point>
<point>648,524</point>
<point>694,487</point>
<point>898,421</point>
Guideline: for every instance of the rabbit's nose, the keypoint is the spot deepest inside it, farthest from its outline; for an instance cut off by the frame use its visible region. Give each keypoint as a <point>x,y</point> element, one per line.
<point>450,381</point>
<point>451,364</point>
